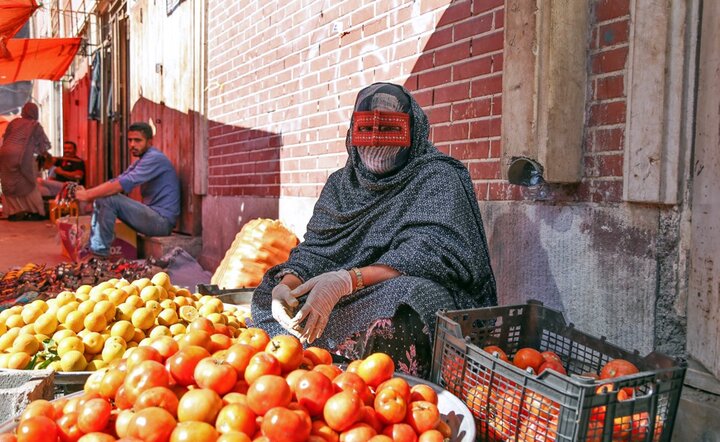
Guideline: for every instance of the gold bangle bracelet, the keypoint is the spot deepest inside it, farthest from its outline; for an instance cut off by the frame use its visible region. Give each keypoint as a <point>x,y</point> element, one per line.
<point>359,278</point>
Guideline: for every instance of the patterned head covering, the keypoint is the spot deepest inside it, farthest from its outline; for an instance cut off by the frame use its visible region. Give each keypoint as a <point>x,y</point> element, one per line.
<point>30,111</point>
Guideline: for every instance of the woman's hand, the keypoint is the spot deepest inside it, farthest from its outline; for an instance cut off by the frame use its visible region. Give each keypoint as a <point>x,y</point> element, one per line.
<point>325,292</point>
<point>282,307</point>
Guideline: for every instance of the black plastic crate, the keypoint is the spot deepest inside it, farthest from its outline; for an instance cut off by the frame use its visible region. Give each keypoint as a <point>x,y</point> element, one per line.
<point>511,404</point>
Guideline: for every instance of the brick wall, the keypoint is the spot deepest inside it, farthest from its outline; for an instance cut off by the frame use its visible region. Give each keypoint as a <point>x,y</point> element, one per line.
<point>282,80</point>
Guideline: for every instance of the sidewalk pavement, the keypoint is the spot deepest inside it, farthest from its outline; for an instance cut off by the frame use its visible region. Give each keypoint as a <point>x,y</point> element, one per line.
<point>23,242</point>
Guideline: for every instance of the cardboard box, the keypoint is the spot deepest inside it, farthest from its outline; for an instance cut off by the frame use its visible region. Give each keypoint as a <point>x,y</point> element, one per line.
<point>75,237</point>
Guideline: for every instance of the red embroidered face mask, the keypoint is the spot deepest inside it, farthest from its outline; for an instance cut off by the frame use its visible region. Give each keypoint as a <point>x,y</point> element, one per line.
<point>381,128</point>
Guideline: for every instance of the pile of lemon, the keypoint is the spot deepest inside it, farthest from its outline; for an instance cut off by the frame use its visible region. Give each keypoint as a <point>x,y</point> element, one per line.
<point>86,329</point>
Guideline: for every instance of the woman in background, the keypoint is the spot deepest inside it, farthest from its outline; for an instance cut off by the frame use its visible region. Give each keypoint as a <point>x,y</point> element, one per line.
<point>23,139</point>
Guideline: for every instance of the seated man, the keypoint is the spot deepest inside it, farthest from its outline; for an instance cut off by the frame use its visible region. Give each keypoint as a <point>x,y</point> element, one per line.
<point>159,186</point>
<point>67,168</point>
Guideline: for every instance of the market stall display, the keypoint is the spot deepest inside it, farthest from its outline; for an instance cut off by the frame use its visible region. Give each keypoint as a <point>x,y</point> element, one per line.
<point>255,387</point>
<point>86,329</point>
<point>527,375</point>
<point>260,244</point>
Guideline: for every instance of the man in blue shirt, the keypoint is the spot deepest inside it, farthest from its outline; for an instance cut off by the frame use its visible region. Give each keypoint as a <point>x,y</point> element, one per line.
<point>159,186</point>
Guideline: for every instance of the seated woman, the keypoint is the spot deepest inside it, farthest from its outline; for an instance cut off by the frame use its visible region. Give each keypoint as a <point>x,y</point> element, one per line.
<point>395,236</point>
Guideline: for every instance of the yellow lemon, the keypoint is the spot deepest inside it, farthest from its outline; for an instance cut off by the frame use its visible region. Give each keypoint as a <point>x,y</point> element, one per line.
<point>160,330</point>
<point>130,290</point>
<point>15,320</point>
<point>86,307</point>
<point>183,292</point>
<point>181,301</point>
<point>123,329</point>
<point>73,361</point>
<point>167,317</point>
<point>74,321</point>
<point>63,311</point>
<point>135,300</point>
<point>95,322</point>
<point>93,342</point>
<point>177,329</point>
<point>41,338</point>
<point>118,296</point>
<point>106,308</point>
<point>4,357</point>
<point>143,318</point>
<point>83,289</point>
<point>5,314</point>
<point>27,329</point>
<point>161,279</point>
<point>169,303</point>
<point>26,344</point>
<point>150,293</point>
<point>141,283</point>
<point>82,297</point>
<point>3,328</point>
<point>112,281</point>
<point>18,360</point>
<point>96,364</point>
<point>71,343</point>
<point>154,307</point>
<point>84,332</point>
<point>188,313</point>
<point>62,334</point>
<point>64,298</point>
<point>138,336</point>
<point>46,324</point>
<point>40,304</point>
<point>98,289</point>
<point>113,349</point>
<point>122,283</point>
<point>145,342</point>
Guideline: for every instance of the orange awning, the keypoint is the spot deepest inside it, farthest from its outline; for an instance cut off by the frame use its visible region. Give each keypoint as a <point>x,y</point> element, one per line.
<point>37,58</point>
<point>13,15</point>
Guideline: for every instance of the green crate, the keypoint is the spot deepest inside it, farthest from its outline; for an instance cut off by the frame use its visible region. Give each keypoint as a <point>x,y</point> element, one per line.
<point>511,404</point>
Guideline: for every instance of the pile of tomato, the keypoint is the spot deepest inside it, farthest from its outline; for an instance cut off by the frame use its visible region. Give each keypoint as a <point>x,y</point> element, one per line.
<point>250,388</point>
<point>505,410</point>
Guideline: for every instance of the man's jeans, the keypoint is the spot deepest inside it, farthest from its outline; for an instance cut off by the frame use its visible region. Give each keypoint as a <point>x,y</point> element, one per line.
<point>140,217</point>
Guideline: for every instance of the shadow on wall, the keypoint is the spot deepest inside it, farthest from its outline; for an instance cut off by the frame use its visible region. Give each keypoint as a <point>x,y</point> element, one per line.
<point>520,260</point>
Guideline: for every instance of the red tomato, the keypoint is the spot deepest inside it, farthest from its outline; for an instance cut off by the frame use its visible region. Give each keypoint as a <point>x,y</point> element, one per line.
<point>329,370</point>
<point>111,381</point>
<point>280,423</point>
<point>37,429</point>
<point>121,400</point>
<point>398,384</point>
<point>342,410</point>
<point>551,356</point>
<point>39,407</point>
<point>122,422</point>
<point>216,375</point>
<point>161,397</point>
<point>381,438</point>
<point>400,433</point>
<point>182,364</point>
<point>219,342</point>
<point>254,337</point>
<point>353,382</point>
<point>423,392</point>
<point>390,406</point>
<point>422,416</point>
<point>323,430</point>
<point>142,354</point>
<point>431,436</point>
<point>313,389</point>
<point>286,349</point>
<point>165,345</point>
<point>200,404</point>
<point>236,417</point>
<point>267,392</point>
<point>203,324</point>
<point>152,424</point>
<point>492,349</point>
<point>528,357</point>
<point>617,368</point>
<point>96,437</point>
<point>194,432</point>
<point>94,415</point>
<point>235,398</point>
<point>318,355</point>
<point>199,338</point>
<point>144,376</point>
<point>353,366</point>
<point>358,432</point>
<point>261,364</point>
<point>552,365</point>
<point>370,417</point>
<point>238,355</point>
<point>293,377</point>
<point>376,368</point>
<point>8,437</point>
<point>234,436</point>
<point>68,430</point>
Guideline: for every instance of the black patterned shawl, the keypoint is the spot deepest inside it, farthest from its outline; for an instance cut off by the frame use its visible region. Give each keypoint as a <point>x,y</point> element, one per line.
<point>423,221</point>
